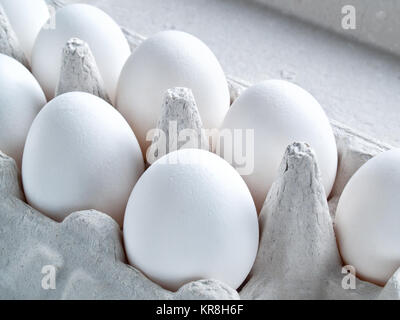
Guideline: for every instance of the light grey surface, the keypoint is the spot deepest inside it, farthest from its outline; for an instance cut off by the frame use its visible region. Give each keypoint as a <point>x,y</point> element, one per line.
<point>86,248</point>
<point>356,85</point>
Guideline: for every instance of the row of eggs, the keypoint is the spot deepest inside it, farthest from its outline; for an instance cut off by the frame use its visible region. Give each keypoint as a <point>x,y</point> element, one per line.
<point>180,222</point>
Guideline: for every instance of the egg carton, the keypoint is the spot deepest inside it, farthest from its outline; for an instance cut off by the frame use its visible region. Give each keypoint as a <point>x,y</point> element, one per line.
<point>298,256</point>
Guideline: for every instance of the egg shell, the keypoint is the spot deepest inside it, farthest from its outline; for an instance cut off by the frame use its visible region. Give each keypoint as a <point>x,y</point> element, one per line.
<point>104,37</point>
<point>190,217</point>
<point>278,113</point>
<point>21,99</point>
<point>368,218</point>
<point>80,154</point>
<point>27,18</point>
<point>166,60</point>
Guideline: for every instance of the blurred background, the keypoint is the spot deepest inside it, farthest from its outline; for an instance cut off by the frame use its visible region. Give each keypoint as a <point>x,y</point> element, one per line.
<point>345,52</point>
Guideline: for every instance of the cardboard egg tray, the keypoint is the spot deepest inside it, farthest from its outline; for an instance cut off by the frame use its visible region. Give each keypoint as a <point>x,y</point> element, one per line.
<point>298,256</point>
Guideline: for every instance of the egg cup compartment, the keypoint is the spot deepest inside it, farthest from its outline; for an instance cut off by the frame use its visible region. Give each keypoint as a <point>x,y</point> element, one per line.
<point>298,257</point>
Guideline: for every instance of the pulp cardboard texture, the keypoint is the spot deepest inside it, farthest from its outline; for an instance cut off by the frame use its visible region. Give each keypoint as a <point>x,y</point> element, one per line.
<point>9,44</point>
<point>179,108</point>
<point>79,71</point>
<point>298,257</point>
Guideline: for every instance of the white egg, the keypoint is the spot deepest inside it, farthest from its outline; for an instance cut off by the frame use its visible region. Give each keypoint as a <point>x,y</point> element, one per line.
<point>80,154</point>
<point>106,40</point>
<point>277,113</point>
<point>21,99</point>
<point>171,59</point>
<point>368,218</point>
<point>190,217</point>
<point>26,17</point>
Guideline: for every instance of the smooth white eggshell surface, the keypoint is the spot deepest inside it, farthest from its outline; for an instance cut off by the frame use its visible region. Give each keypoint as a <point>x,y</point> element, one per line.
<point>279,113</point>
<point>26,18</point>
<point>106,40</point>
<point>368,218</point>
<point>190,217</point>
<point>166,60</point>
<point>21,99</point>
<point>80,154</point>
